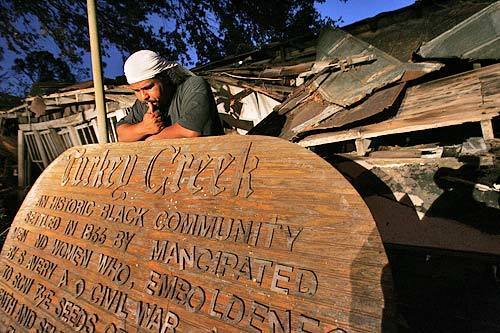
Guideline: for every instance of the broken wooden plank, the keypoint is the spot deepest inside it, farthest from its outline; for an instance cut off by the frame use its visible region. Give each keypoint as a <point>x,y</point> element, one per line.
<point>362,146</point>
<point>72,120</point>
<point>445,102</point>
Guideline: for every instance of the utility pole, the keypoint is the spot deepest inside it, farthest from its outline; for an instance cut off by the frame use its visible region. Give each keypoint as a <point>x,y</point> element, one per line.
<point>95,52</point>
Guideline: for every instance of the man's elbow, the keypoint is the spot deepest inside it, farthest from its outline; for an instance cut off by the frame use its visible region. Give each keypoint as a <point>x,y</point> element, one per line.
<point>192,134</point>
<point>122,133</point>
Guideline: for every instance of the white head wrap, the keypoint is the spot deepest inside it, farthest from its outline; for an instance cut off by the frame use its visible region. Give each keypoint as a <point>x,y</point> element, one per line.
<point>145,64</point>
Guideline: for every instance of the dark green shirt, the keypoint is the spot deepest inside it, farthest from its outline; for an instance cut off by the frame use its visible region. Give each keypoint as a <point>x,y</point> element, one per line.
<point>192,106</point>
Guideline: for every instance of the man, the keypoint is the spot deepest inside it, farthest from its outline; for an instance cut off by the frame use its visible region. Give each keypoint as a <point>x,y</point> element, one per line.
<point>171,101</point>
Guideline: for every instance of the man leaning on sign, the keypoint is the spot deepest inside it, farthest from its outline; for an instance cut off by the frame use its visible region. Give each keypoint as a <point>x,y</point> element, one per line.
<point>171,101</point>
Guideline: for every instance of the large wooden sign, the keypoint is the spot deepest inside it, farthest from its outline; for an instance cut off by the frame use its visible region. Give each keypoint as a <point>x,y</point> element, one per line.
<point>229,234</point>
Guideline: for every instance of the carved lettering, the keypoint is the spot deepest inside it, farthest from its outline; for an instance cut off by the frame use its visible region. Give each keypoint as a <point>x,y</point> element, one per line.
<point>22,283</point>
<point>76,316</point>
<point>43,220</point>
<point>101,168</point>
<point>43,296</point>
<point>151,187</point>
<point>222,163</point>
<point>123,239</point>
<point>71,161</point>
<point>42,201</point>
<point>45,326</point>
<point>243,174</point>
<point>234,311</point>
<point>11,252</point>
<point>306,324</point>
<point>129,215</point>
<point>213,312</point>
<point>181,164</point>
<point>20,234</point>
<point>72,206</point>
<point>75,254</point>
<point>113,268</point>
<point>278,277</point>
<point>189,167</point>
<point>94,233</point>
<point>169,252</point>
<point>103,171</point>
<point>256,317</point>
<point>71,228</point>
<point>197,166</point>
<point>176,289</point>
<point>111,328</point>
<point>226,229</point>
<point>80,287</point>
<point>291,236</point>
<point>63,281</point>
<point>41,266</point>
<point>277,324</point>
<point>41,241</point>
<point>8,302</point>
<point>20,258</point>
<point>124,177</point>
<point>7,272</point>
<point>154,317</point>
<point>109,299</point>
<point>26,317</point>
<point>307,282</point>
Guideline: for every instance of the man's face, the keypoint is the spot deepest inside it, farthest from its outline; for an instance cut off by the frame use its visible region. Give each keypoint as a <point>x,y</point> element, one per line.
<point>149,90</point>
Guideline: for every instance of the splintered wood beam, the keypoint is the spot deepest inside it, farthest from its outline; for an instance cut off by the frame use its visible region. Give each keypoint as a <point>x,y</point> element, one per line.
<point>71,120</point>
<point>362,146</point>
<point>487,129</point>
<point>372,131</point>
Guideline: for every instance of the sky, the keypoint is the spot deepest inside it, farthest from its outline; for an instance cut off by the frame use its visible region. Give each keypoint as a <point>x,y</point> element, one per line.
<point>356,10</point>
<point>350,11</point>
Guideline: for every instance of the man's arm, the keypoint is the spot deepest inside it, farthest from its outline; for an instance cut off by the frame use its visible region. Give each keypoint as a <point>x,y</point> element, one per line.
<point>173,132</point>
<point>151,124</point>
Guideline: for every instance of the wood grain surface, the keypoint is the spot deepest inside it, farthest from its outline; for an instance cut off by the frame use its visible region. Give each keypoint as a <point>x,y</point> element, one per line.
<point>223,234</point>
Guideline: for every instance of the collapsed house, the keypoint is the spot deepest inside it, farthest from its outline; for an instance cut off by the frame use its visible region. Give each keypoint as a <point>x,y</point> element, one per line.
<point>405,105</point>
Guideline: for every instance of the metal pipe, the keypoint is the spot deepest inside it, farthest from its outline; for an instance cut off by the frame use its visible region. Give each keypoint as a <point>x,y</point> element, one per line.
<point>95,52</point>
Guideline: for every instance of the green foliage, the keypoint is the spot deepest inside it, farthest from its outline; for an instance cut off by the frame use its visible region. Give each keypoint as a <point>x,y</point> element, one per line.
<point>246,24</point>
<point>42,66</point>
<point>213,28</point>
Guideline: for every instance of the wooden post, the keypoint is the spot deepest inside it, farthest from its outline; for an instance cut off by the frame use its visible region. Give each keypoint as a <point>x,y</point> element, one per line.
<point>57,140</point>
<point>75,139</point>
<point>41,149</point>
<point>487,129</point>
<point>21,180</point>
<point>95,52</point>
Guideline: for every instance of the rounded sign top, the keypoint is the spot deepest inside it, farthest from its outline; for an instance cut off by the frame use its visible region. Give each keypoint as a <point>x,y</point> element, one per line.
<point>222,234</point>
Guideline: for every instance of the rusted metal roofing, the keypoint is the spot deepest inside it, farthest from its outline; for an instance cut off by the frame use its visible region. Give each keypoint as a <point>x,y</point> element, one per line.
<point>341,95</point>
<point>476,38</point>
<point>401,32</point>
